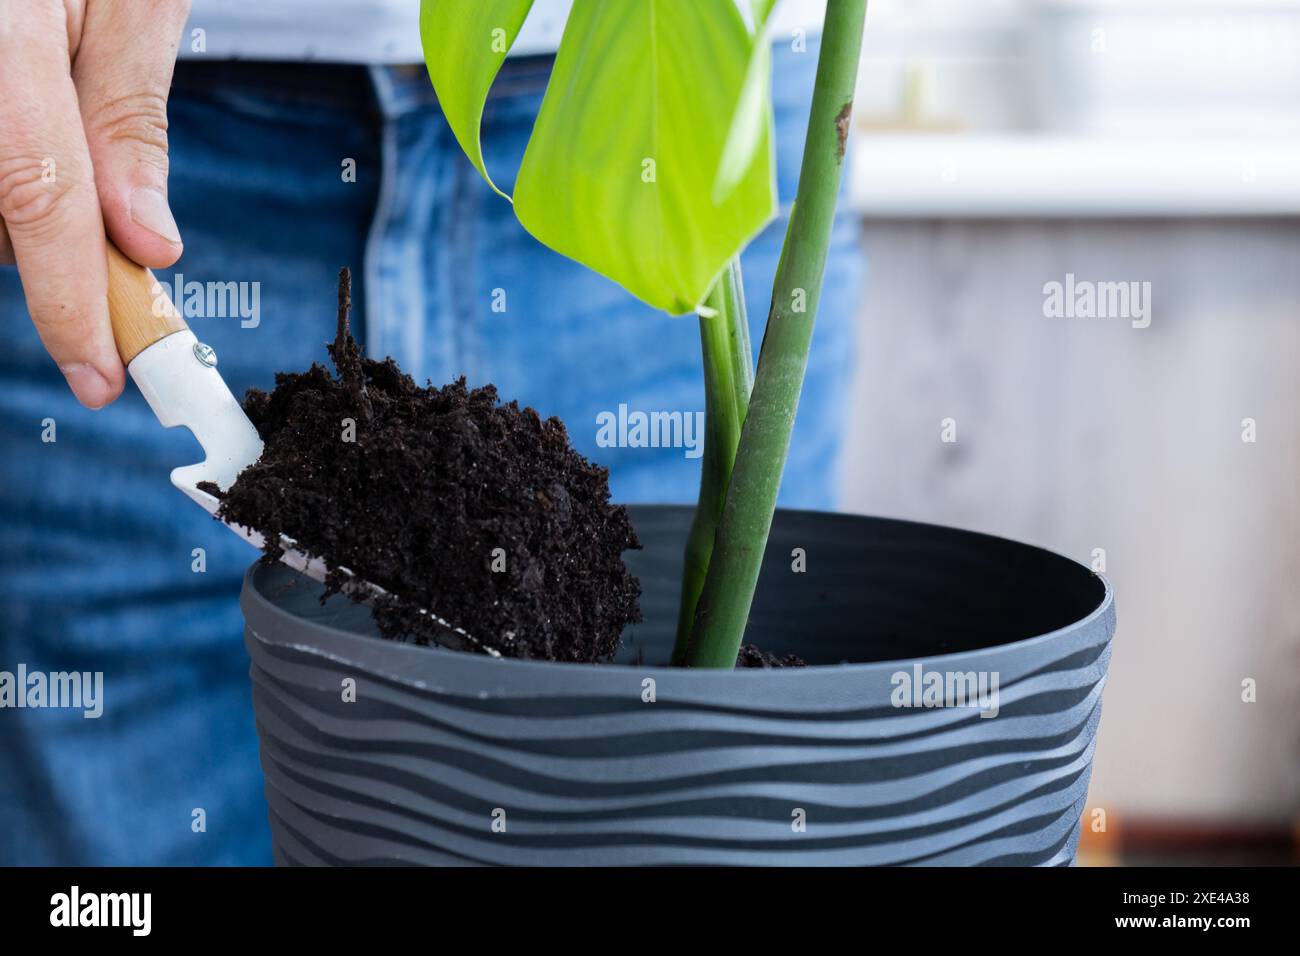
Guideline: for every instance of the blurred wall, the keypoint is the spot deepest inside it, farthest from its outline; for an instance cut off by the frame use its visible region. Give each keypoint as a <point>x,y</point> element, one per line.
<point>1085,433</point>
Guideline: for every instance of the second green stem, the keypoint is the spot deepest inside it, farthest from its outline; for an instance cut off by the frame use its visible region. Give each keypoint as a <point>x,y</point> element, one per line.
<point>728,379</point>
<point>722,607</point>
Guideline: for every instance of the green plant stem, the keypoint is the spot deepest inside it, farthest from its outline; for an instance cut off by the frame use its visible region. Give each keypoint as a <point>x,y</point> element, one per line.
<point>742,359</point>
<point>741,537</point>
<point>728,378</point>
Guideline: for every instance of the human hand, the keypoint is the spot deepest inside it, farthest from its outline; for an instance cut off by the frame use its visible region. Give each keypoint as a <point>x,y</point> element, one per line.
<point>83,152</point>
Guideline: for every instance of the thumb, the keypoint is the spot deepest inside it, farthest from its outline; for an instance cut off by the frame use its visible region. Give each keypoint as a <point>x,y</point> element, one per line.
<point>123,73</point>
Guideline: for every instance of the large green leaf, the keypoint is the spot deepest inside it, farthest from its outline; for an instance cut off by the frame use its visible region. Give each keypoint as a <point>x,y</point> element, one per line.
<point>619,173</point>
<point>753,110</point>
<point>465,42</point>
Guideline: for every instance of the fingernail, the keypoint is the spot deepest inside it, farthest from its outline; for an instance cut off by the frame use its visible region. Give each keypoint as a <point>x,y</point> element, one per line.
<point>149,209</point>
<point>91,388</point>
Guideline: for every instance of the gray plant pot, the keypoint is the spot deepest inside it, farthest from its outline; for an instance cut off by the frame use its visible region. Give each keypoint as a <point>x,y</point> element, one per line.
<point>574,766</point>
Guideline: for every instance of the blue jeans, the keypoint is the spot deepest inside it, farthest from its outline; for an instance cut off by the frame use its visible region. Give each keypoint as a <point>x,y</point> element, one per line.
<point>107,568</point>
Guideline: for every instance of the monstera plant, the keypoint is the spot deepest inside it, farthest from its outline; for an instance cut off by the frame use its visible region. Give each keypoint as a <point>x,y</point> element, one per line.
<point>651,162</point>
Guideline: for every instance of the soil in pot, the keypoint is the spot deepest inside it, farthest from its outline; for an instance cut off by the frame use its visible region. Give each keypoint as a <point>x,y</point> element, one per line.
<point>478,510</point>
<point>752,656</point>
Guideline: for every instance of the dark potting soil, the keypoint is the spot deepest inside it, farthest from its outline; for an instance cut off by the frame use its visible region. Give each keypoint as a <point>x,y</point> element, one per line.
<point>751,656</point>
<point>477,511</point>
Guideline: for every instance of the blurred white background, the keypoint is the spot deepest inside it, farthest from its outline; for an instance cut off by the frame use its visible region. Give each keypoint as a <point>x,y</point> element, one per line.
<point>1002,145</point>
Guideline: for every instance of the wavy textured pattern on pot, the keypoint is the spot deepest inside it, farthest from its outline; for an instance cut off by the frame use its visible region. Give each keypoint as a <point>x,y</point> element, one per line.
<point>721,767</point>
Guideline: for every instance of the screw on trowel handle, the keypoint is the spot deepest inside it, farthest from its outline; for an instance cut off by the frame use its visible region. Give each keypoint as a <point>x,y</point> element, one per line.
<point>139,306</point>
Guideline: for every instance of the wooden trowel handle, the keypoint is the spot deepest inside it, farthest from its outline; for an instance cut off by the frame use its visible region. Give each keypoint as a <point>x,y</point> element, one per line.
<point>138,304</point>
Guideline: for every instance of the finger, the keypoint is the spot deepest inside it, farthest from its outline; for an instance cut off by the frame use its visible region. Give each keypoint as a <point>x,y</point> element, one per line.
<point>6,250</point>
<point>49,203</point>
<point>123,72</point>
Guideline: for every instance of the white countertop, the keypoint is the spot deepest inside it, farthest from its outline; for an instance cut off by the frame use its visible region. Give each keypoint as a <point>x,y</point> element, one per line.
<point>943,175</point>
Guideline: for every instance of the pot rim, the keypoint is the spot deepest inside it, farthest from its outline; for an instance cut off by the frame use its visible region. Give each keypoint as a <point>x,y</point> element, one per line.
<point>253,600</point>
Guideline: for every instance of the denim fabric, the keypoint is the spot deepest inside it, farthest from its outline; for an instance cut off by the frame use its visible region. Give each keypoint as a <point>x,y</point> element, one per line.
<point>97,550</point>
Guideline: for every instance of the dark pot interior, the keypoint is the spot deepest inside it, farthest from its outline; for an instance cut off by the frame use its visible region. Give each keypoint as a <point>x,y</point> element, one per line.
<point>874,589</point>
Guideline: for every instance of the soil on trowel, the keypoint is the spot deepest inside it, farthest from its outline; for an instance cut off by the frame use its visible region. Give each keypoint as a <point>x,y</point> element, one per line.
<point>455,503</point>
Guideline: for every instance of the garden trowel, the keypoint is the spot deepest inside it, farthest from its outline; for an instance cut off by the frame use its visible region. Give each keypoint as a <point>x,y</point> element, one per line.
<point>177,375</point>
